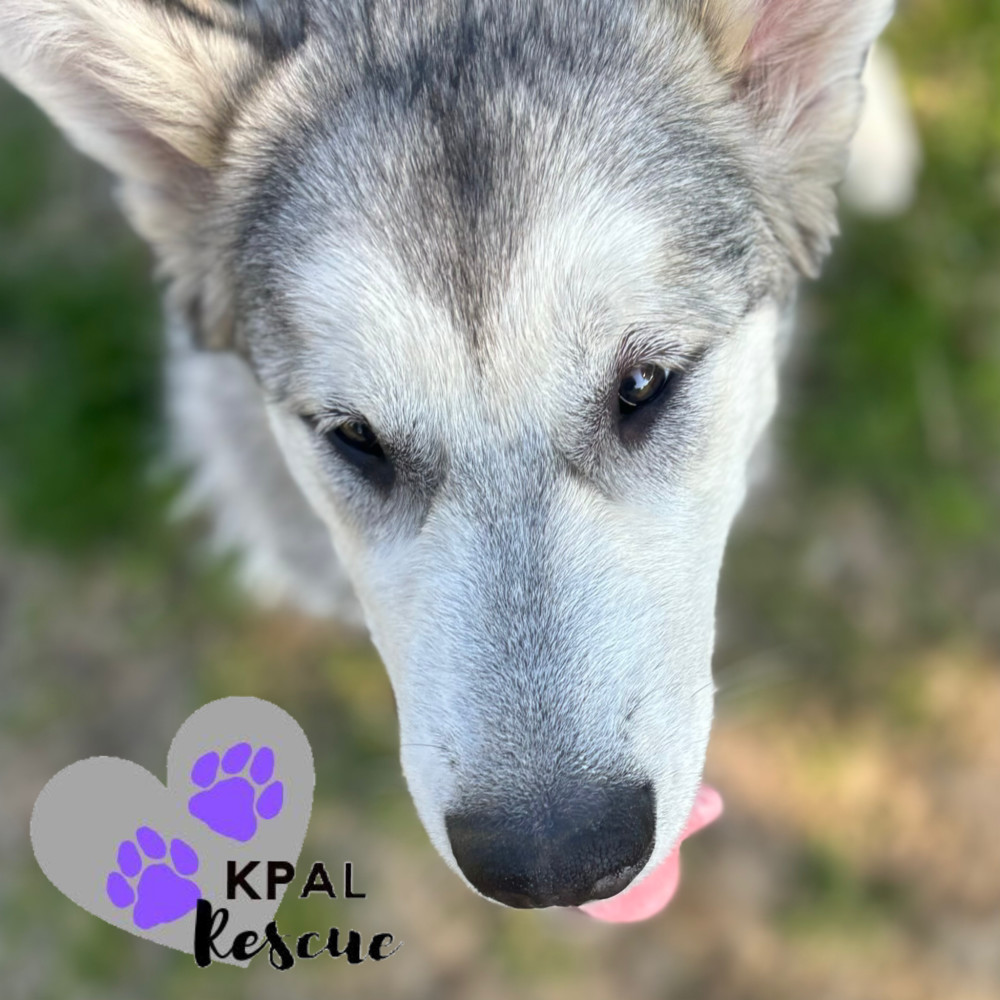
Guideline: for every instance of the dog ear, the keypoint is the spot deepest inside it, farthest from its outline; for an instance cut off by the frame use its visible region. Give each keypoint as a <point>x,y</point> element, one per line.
<point>796,66</point>
<point>145,87</point>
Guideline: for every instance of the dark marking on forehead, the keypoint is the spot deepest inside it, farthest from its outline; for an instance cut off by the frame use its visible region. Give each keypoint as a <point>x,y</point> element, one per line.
<point>473,105</point>
<point>467,184</point>
<point>450,124</point>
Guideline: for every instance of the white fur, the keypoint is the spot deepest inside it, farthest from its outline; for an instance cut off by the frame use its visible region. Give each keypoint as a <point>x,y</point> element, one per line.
<point>548,606</point>
<point>418,591</point>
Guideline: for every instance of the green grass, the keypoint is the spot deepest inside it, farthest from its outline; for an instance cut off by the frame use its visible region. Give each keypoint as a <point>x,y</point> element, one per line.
<point>79,346</point>
<point>830,898</point>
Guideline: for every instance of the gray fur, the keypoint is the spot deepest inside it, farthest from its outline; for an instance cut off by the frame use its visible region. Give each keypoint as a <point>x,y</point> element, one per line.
<point>462,221</point>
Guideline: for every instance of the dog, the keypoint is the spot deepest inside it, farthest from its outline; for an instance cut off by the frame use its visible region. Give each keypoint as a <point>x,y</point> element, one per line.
<point>475,310</point>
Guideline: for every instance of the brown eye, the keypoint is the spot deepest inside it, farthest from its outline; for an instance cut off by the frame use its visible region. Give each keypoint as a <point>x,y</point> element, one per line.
<point>641,385</point>
<point>356,442</point>
<point>357,434</point>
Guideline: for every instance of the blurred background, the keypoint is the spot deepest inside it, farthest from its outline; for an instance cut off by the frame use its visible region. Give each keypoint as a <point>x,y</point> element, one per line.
<point>858,738</point>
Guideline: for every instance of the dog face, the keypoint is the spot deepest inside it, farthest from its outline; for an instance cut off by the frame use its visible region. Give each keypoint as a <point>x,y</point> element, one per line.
<point>536,557</point>
<point>512,288</point>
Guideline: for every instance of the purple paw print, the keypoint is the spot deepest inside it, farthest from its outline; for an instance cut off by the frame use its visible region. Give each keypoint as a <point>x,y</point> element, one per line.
<point>230,806</point>
<point>161,895</point>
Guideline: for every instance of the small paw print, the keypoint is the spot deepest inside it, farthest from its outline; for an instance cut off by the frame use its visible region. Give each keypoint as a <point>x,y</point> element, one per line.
<point>231,806</point>
<point>162,895</point>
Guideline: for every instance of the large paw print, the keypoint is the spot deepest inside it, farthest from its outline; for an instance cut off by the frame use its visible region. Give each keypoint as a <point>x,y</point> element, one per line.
<point>162,894</point>
<point>230,806</point>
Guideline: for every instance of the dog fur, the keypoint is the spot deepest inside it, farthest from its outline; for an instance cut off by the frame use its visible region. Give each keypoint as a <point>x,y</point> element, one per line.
<point>462,221</point>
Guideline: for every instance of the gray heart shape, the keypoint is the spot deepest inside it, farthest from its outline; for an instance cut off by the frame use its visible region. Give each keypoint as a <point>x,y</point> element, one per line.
<point>90,808</point>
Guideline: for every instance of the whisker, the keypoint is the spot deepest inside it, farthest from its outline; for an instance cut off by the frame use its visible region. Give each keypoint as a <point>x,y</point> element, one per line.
<point>750,675</point>
<point>432,746</point>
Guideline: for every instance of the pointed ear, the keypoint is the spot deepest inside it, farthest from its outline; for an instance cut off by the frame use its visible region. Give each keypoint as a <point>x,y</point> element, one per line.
<point>796,66</point>
<point>145,88</point>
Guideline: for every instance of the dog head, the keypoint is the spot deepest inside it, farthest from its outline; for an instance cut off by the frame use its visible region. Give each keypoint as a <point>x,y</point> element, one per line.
<point>511,277</point>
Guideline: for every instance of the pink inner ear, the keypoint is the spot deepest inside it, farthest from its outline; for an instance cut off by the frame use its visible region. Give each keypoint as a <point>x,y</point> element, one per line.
<point>775,25</point>
<point>792,45</point>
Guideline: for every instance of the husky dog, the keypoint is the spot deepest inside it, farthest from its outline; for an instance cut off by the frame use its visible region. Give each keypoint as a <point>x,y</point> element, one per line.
<point>475,310</point>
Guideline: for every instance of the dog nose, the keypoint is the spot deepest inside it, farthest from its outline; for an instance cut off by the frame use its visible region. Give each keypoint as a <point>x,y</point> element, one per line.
<point>582,844</point>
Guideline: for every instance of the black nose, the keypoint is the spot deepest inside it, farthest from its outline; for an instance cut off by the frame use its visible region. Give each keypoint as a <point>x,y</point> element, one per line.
<point>584,842</point>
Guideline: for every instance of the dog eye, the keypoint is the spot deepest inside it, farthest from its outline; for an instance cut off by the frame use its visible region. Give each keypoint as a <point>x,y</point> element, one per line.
<point>640,386</point>
<point>356,442</point>
<point>357,434</point>
<point>643,394</point>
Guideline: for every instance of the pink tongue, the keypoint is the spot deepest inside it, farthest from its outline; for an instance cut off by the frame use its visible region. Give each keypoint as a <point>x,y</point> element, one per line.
<point>646,898</point>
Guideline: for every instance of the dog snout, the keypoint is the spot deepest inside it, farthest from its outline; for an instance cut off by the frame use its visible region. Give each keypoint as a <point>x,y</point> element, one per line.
<point>586,843</point>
